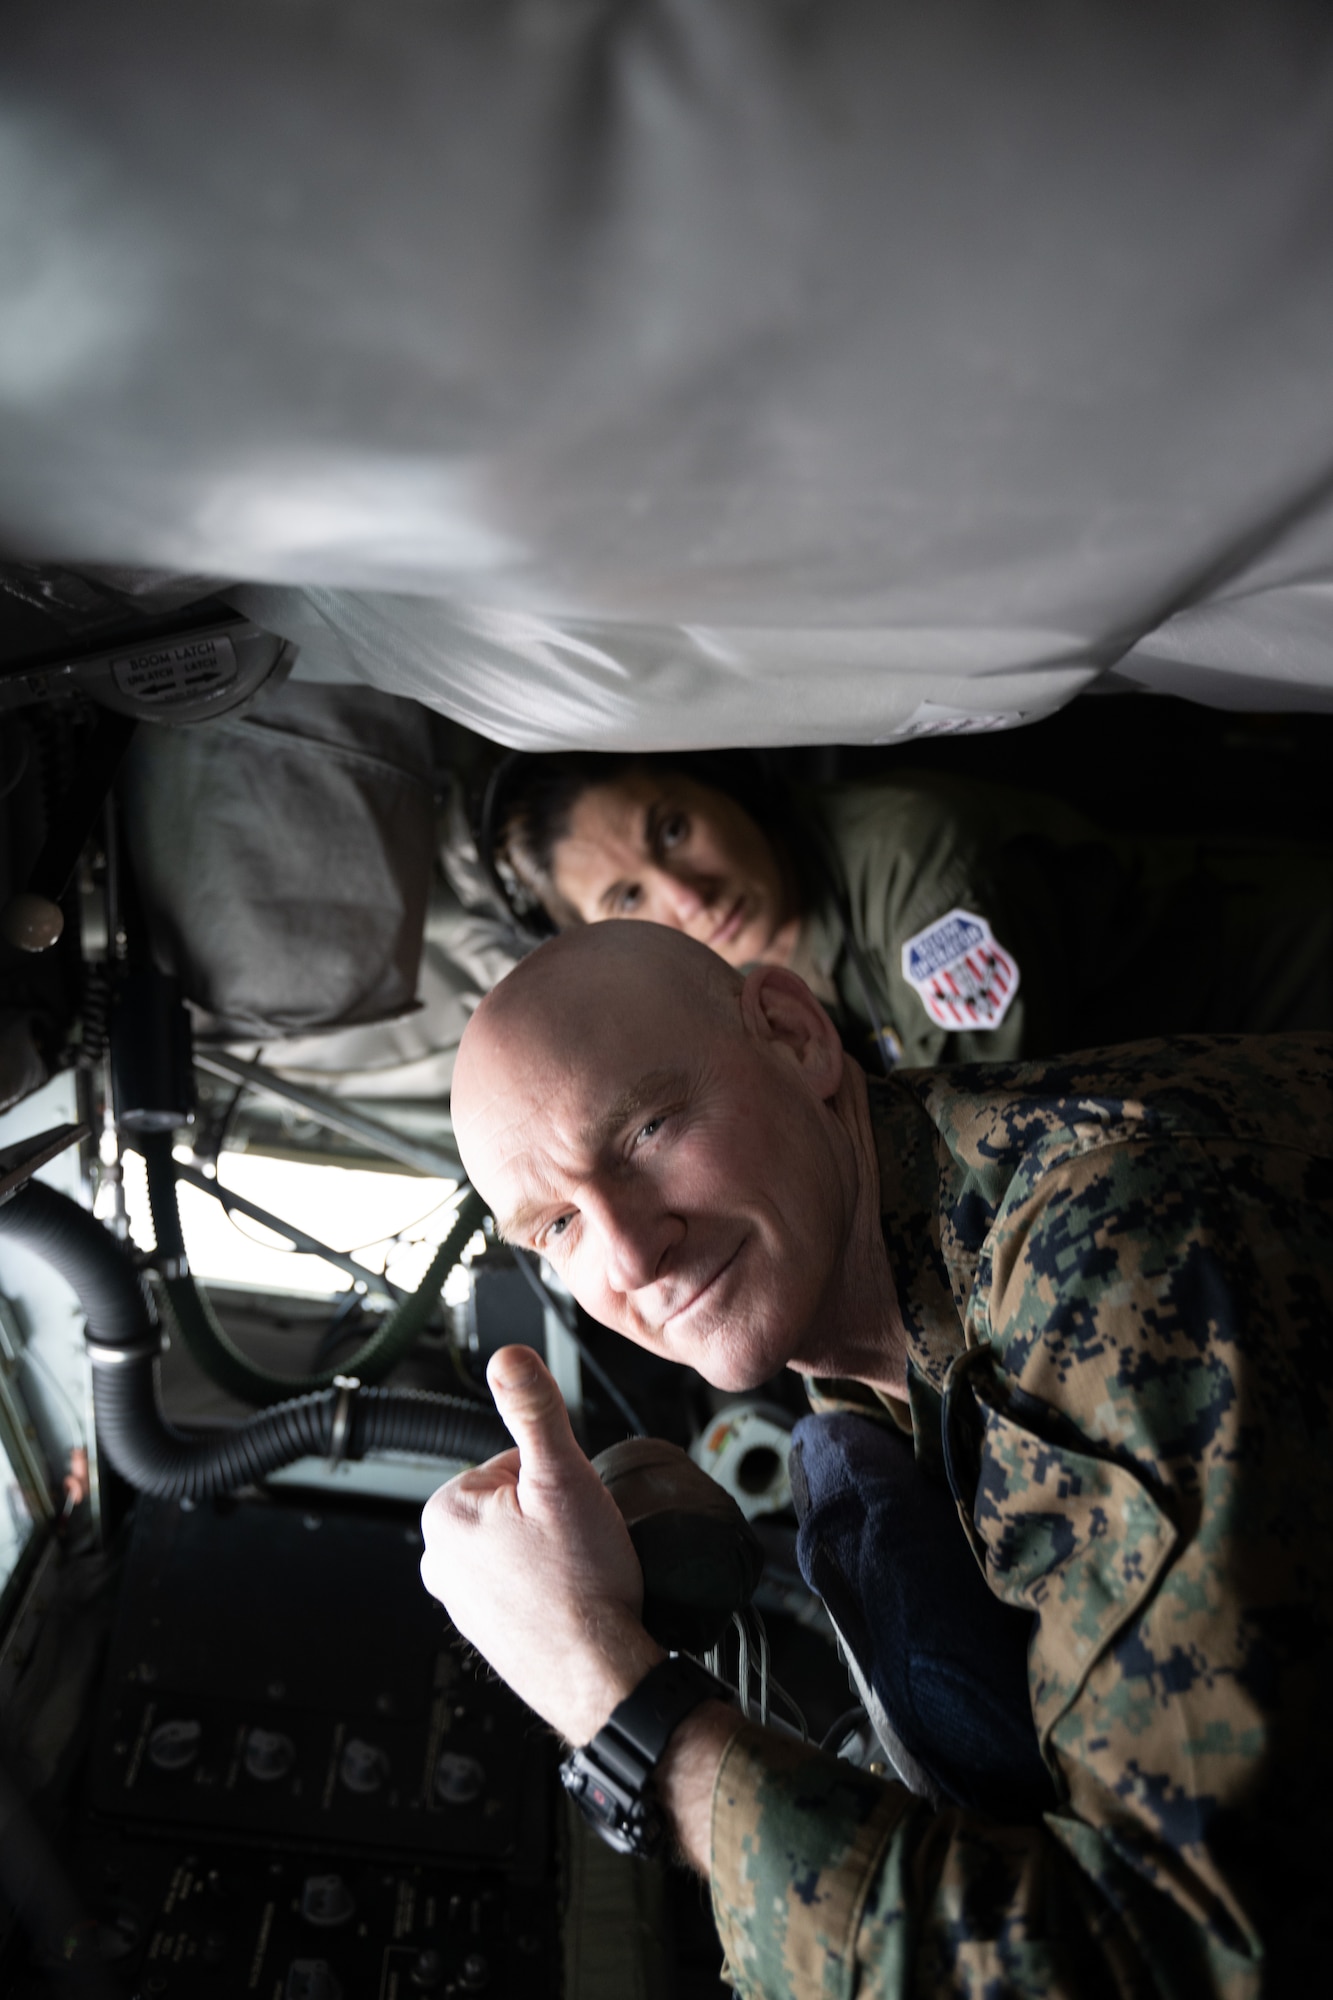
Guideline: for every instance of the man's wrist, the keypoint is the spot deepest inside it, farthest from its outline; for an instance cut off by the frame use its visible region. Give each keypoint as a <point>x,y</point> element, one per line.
<point>687,1777</point>
<point>631,1654</point>
<point>612,1777</point>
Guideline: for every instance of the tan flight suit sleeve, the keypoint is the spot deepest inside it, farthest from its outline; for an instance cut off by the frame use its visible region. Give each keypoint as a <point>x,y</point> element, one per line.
<point>910,851</point>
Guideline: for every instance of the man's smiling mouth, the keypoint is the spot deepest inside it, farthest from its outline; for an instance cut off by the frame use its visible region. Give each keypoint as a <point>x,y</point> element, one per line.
<point>679,1312</point>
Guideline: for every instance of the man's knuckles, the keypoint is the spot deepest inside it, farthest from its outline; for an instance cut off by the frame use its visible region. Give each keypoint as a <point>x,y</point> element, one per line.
<point>461,1505</point>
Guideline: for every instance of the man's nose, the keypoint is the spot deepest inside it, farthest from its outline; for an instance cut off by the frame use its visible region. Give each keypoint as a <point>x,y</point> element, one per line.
<point>637,1236</point>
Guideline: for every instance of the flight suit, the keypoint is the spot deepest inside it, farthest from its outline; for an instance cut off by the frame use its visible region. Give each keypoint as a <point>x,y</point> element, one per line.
<point>1093,938</point>
<point>1116,1277</point>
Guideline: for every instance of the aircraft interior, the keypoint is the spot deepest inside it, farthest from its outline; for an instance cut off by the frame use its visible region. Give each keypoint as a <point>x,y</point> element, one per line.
<point>849,395</point>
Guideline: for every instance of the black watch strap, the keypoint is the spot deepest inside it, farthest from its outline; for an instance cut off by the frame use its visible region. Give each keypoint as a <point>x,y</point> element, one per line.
<point>609,1776</point>
<point>647,1719</point>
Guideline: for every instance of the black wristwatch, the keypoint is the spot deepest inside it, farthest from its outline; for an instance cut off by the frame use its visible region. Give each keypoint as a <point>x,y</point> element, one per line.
<point>609,1777</point>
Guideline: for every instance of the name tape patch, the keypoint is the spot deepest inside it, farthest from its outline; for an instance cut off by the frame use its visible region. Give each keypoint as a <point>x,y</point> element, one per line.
<point>964,978</point>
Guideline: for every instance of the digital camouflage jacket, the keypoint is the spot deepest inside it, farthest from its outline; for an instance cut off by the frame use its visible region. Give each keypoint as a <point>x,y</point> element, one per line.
<point>1116,1273</point>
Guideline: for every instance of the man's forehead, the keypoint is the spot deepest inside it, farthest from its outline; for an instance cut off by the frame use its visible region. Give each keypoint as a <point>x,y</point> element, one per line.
<point>577,1038</point>
<point>568,1111</point>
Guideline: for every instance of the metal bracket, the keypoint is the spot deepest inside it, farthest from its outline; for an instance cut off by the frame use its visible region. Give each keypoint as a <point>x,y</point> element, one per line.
<point>118,1357</point>
<point>299,1238</point>
<point>348,1387</point>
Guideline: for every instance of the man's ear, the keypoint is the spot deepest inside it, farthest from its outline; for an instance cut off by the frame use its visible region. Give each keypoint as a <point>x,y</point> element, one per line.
<point>778,1007</point>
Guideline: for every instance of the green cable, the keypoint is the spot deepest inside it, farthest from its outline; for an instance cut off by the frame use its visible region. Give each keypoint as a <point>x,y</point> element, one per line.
<point>207,1341</point>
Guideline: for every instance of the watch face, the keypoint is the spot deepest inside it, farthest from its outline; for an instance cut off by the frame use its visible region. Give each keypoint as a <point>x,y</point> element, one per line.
<point>611,1776</point>
<point>624,1838</point>
<point>630,1825</point>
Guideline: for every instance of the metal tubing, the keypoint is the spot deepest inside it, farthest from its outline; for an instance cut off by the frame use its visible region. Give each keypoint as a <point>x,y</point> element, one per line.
<point>330,1111</point>
<point>310,1244</point>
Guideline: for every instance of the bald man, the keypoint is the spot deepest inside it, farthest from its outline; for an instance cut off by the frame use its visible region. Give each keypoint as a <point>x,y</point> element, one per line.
<point>1098,1294</point>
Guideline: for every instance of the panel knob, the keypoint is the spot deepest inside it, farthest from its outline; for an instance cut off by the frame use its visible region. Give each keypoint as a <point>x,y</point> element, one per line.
<point>269,1755</point>
<point>326,1901</point>
<point>174,1746</point>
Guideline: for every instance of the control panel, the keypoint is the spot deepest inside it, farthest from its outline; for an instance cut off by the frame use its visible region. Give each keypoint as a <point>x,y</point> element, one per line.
<point>300,1785</point>
<point>217,1922</point>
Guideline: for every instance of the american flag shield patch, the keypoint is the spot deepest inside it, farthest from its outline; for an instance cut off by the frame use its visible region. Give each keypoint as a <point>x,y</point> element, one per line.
<point>965,979</point>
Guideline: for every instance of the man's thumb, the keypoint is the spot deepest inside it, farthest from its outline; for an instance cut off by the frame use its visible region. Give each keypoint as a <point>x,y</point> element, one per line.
<point>533,1410</point>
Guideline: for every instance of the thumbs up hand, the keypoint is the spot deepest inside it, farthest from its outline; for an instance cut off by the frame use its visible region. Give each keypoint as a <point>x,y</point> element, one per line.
<point>530,1557</point>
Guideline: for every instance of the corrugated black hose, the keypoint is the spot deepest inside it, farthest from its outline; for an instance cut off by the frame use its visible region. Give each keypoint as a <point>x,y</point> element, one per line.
<point>171,1464</point>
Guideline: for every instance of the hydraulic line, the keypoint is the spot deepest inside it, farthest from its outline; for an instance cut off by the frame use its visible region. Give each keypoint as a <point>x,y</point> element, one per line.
<point>344,1421</point>
<point>212,1347</point>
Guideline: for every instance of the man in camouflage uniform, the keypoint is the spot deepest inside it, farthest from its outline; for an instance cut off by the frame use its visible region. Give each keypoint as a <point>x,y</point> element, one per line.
<point>1100,1291</point>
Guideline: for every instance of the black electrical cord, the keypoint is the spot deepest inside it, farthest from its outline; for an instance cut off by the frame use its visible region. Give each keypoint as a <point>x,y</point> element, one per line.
<point>342,1422</point>
<point>208,1147</point>
<point>344,1323</point>
<point>838,1732</point>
